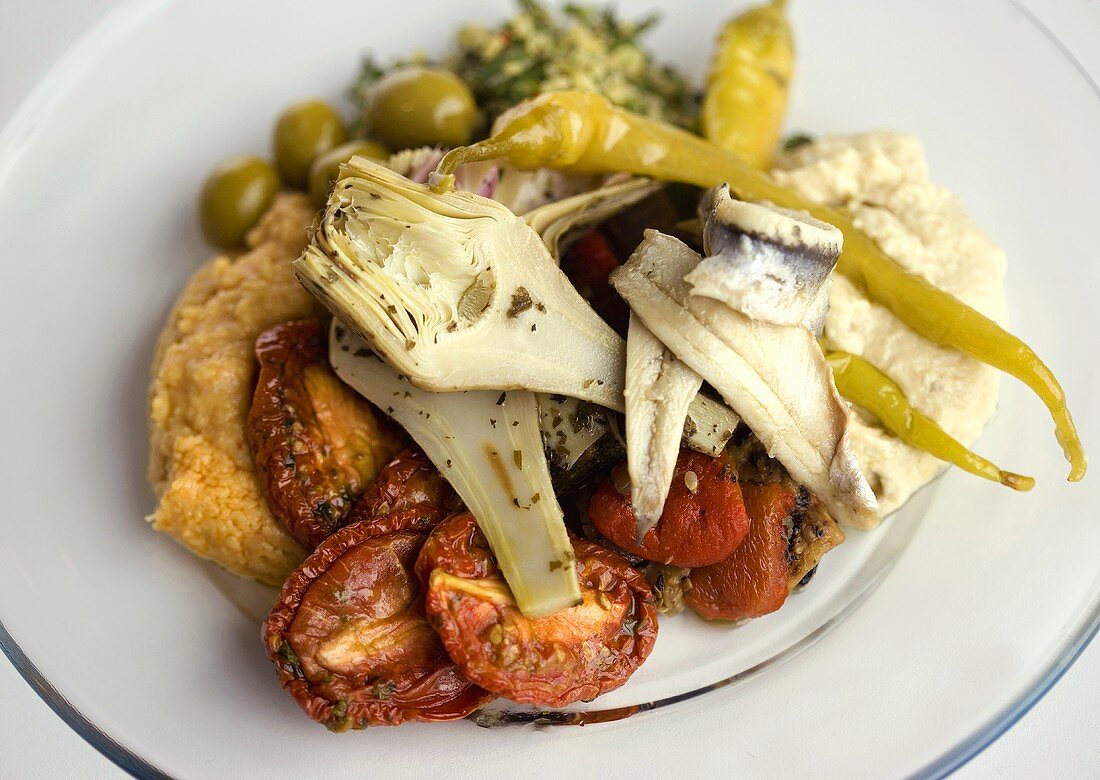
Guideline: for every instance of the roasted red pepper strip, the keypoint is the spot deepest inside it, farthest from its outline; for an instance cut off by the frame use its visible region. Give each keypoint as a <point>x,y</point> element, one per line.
<point>703,520</point>
<point>753,581</point>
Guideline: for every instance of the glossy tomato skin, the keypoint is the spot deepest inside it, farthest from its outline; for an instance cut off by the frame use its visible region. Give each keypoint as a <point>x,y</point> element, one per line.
<point>409,485</point>
<point>697,528</point>
<point>349,639</point>
<point>753,580</point>
<point>315,442</point>
<point>575,654</point>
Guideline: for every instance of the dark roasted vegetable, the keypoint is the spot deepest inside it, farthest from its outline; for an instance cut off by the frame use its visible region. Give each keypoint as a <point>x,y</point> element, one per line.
<point>813,533</point>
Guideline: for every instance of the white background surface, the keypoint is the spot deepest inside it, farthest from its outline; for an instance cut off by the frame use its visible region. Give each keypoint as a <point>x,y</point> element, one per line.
<point>1056,739</point>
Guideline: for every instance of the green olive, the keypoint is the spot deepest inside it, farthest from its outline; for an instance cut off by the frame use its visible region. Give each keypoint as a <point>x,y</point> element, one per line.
<point>304,131</point>
<point>234,198</point>
<point>416,106</point>
<point>325,168</point>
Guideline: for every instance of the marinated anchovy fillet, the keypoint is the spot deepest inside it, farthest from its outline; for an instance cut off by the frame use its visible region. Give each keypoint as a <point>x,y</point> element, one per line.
<point>769,263</point>
<point>489,447</point>
<point>775,377</point>
<point>659,388</point>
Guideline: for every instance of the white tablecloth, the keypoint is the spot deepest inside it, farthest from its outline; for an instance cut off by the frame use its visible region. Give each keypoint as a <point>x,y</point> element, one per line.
<point>1057,739</point>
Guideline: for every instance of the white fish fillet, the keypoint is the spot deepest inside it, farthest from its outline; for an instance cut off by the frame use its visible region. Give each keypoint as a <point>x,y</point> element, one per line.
<point>769,263</point>
<point>659,389</point>
<point>774,376</point>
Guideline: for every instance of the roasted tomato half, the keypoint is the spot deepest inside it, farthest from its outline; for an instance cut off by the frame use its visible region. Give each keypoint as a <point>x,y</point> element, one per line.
<point>752,581</point>
<point>315,442</point>
<point>575,654</point>
<point>407,485</point>
<point>703,520</point>
<point>349,639</point>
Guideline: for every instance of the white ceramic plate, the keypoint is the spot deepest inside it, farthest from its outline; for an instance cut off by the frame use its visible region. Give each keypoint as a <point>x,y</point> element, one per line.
<point>985,597</point>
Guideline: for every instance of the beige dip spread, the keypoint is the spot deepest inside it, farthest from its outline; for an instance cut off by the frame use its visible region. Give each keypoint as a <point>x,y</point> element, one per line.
<point>204,370</point>
<point>883,179</point>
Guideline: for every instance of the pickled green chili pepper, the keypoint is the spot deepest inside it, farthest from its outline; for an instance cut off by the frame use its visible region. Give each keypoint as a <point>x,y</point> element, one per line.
<point>748,83</point>
<point>866,386</point>
<point>582,132</point>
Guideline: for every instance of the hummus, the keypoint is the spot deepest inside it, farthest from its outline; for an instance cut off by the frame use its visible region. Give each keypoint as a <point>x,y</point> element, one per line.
<point>204,371</point>
<point>883,179</point>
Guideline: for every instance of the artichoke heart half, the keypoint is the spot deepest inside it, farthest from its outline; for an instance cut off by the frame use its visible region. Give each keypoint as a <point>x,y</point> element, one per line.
<point>489,447</point>
<point>458,293</point>
<point>455,291</point>
<point>560,221</point>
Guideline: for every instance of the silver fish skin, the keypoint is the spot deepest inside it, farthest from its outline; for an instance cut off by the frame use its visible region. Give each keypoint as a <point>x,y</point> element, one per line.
<point>769,263</point>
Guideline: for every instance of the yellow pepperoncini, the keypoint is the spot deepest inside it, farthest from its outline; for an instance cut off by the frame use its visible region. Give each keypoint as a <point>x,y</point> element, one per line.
<point>582,132</point>
<point>748,83</point>
<point>866,386</point>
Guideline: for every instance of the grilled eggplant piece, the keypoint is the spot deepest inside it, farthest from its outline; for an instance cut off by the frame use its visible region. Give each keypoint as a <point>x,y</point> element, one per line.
<point>813,533</point>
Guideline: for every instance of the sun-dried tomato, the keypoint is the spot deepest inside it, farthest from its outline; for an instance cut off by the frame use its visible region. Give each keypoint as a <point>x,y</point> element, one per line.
<point>753,581</point>
<point>574,654</point>
<point>407,485</point>
<point>315,442</point>
<point>702,523</point>
<point>350,642</point>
